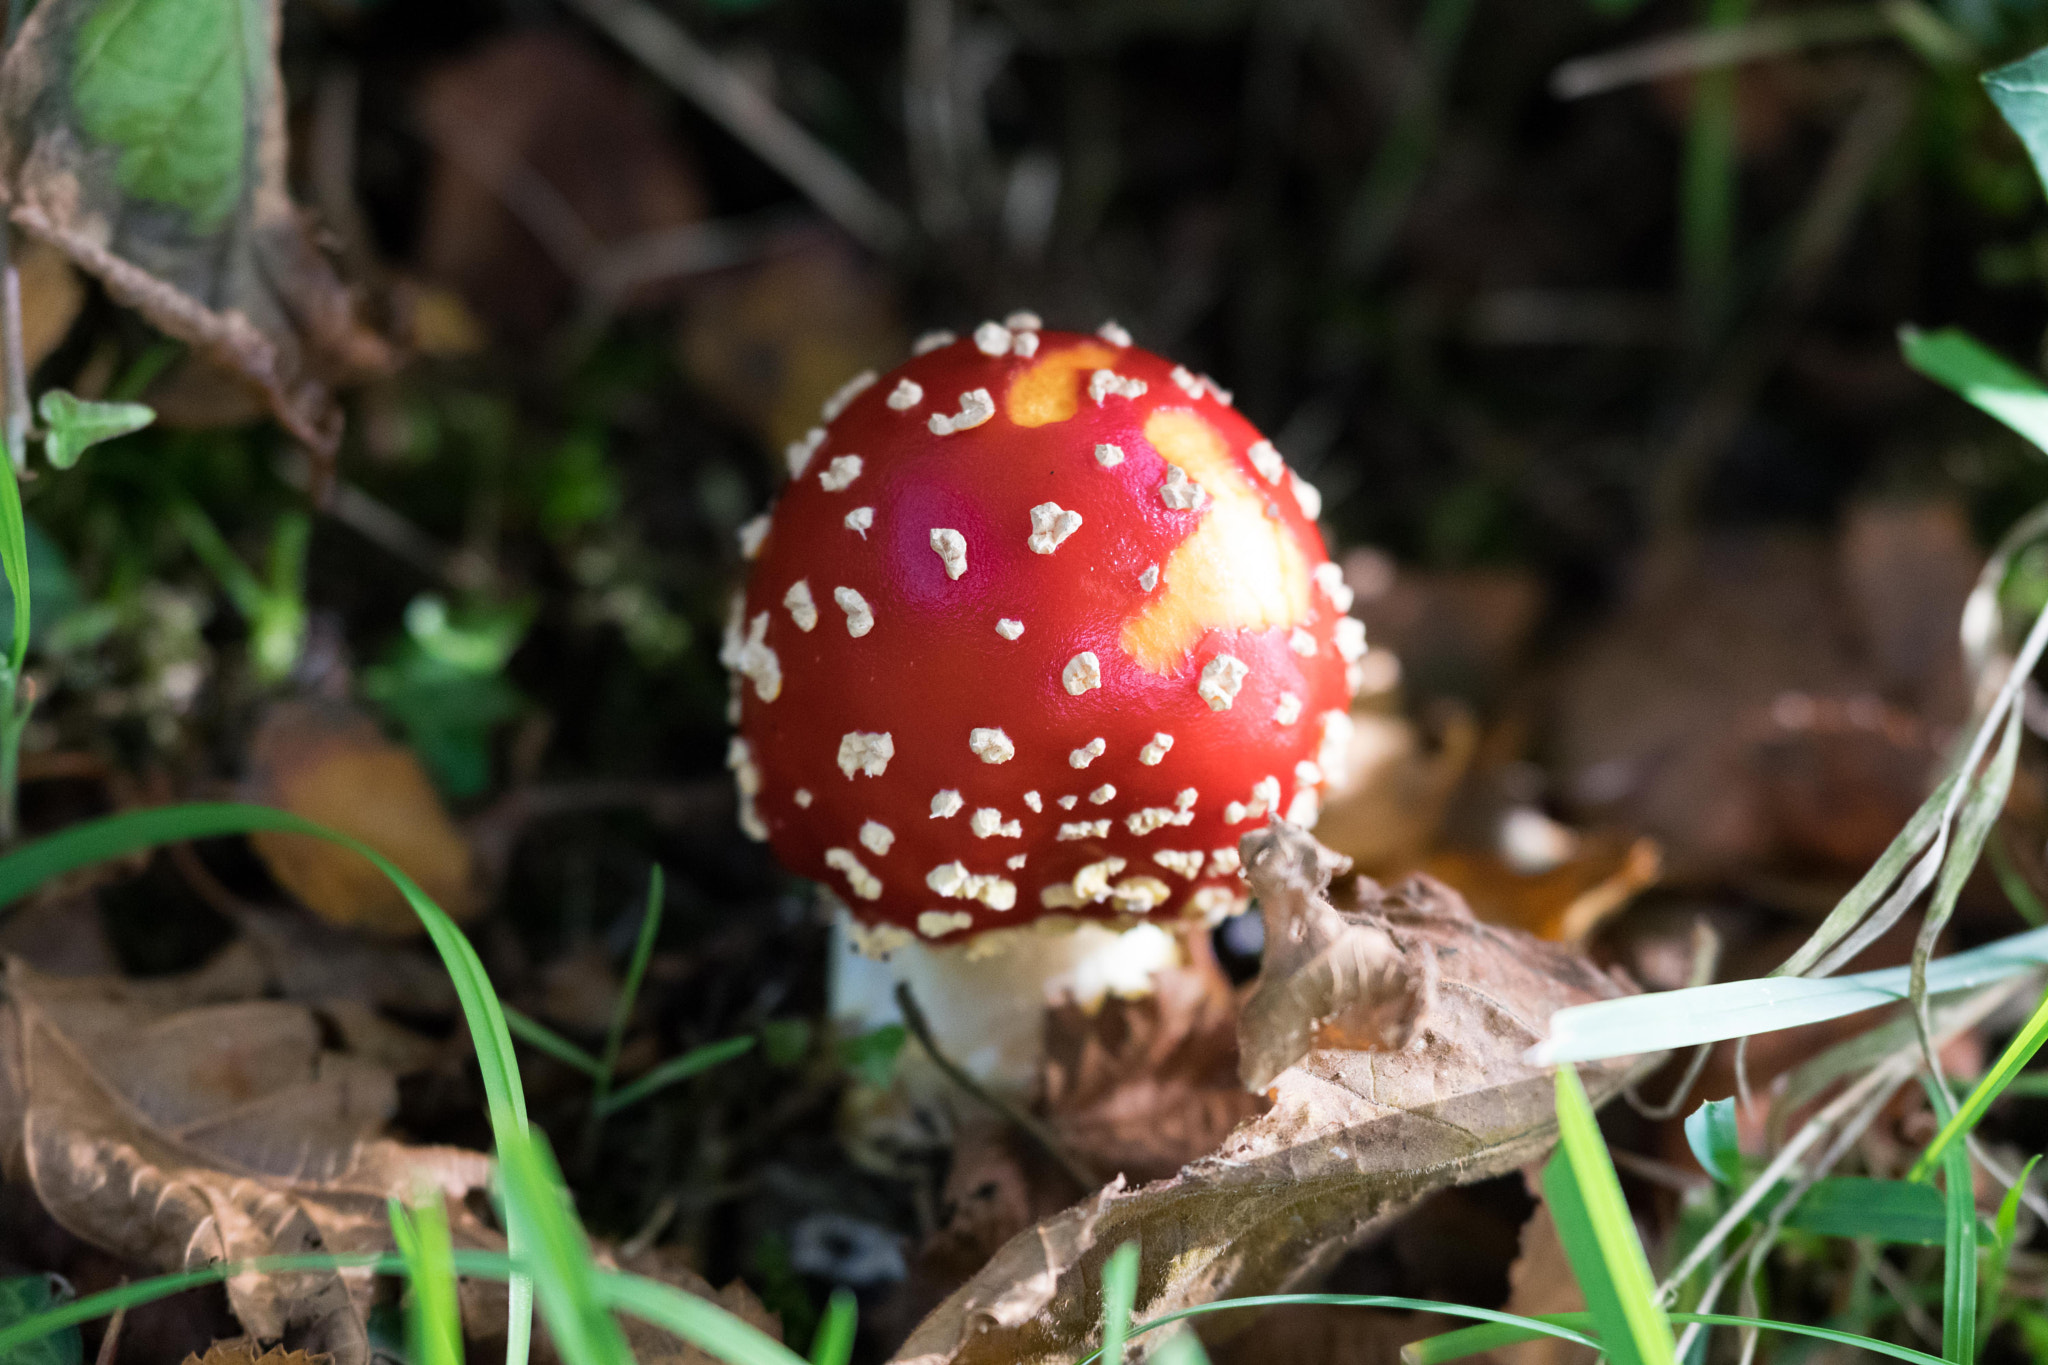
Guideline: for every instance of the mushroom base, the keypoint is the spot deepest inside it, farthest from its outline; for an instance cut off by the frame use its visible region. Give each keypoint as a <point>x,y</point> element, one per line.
<point>986,1000</point>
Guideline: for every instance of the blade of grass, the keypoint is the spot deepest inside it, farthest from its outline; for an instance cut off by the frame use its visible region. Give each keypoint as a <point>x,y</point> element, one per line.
<point>541,1038</point>
<point>1896,1211</point>
<point>1469,1341</point>
<point>1981,377</point>
<point>832,1343</point>
<point>629,989</point>
<point>697,1321</point>
<point>1973,825</point>
<point>564,1274</point>
<point>673,1070</point>
<point>1736,1009</point>
<point>433,1321</point>
<point>1599,1236</point>
<point>1538,1327</point>
<point>94,841</point>
<point>2013,883</point>
<point>2017,1054</point>
<point>1119,1293</point>
<point>1959,1260</point>
<point>2005,1230</point>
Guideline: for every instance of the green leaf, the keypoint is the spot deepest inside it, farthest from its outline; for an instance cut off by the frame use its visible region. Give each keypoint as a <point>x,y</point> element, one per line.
<point>1959,1260</point>
<point>1716,1144</point>
<point>1599,1236</point>
<point>673,1070</point>
<point>1119,1293</point>
<point>1981,377</point>
<point>73,425</point>
<point>871,1056</point>
<point>22,1297</point>
<point>2020,90</point>
<point>177,87</point>
<point>832,1343</point>
<point>2017,1054</point>
<point>1898,1211</point>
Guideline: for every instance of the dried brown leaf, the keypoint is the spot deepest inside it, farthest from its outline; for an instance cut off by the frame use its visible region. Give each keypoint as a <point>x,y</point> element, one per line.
<point>246,286</point>
<point>333,765</point>
<point>1352,1138</point>
<point>174,1134</point>
<point>1141,1087</point>
<point>245,1351</point>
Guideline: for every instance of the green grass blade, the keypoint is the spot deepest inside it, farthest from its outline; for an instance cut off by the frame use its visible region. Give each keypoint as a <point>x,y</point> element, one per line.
<point>1600,1238</point>
<point>1119,1293</point>
<point>1981,377</point>
<point>2017,1054</point>
<point>14,559</point>
<point>1894,1211</point>
<point>1470,1341</point>
<point>557,1254</point>
<point>2005,1230</point>
<point>673,1070</point>
<point>2013,882</point>
<point>541,1038</point>
<point>832,1343</point>
<point>701,1323</point>
<point>1182,1348</point>
<point>1736,1009</point>
<point>1959,1260</point>
<point>636,971</point>
<point>433,1320</point>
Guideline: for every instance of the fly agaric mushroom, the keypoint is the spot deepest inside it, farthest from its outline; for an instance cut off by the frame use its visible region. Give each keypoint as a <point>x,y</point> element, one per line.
<point>1039,629</point>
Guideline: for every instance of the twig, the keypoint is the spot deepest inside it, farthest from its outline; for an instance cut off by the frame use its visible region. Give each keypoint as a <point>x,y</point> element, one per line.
<point>920,1029</point>
<point>1704,49</point>
<point>694,72</point>
<point>110,1344</point>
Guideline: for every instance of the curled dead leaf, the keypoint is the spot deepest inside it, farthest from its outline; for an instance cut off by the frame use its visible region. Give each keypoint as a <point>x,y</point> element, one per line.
<point>333,765</point>
<point>1352,1136</point>
<point>176,1134</point>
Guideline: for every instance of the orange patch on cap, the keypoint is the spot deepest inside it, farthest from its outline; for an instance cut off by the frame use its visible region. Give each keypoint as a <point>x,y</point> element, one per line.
<point>1051,390</point>
<point>1239,569</point>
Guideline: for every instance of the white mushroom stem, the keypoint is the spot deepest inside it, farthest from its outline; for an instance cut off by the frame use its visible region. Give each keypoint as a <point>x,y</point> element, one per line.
<point>985,999</point>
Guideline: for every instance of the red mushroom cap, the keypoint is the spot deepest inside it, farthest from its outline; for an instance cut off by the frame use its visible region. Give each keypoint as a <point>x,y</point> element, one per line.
<point>1041,625</point>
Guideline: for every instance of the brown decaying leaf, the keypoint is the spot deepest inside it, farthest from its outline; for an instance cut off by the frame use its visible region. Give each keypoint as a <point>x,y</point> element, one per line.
<point>1563,904</point>
<point>333,765</point>
<point>774,339</point>
<point>1142,1087</point>
<point>1770,702</point>
<point>1352,1137</point>
<point>1541,1281</point>
<point>245,1351</point>
<point>547,157</point>
<point>173,1127</point>
<point>255,295</point>
<point>1388,797</point>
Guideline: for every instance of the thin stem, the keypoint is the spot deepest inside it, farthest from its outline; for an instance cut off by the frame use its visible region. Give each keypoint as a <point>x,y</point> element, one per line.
<point>920,1029</point>
<point>15,699</point>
